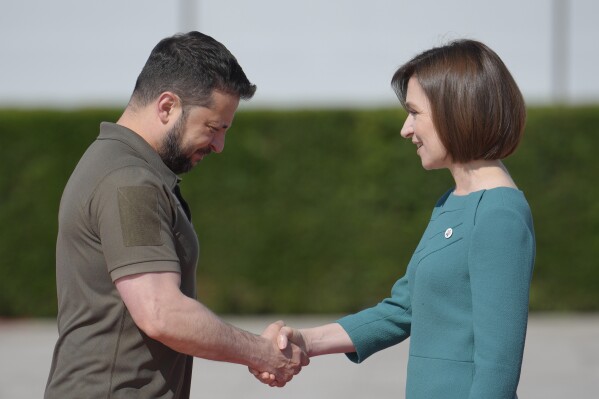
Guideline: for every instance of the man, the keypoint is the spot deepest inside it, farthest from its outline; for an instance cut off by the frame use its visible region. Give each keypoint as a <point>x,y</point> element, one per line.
<point>126,254</point>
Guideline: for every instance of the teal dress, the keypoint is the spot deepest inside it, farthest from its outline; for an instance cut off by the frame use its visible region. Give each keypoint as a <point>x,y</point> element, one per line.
<point>463,300</point>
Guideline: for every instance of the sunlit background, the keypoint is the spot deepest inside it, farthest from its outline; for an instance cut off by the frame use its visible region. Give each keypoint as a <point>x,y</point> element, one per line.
<point>309,53</point>
<point>306,212</point>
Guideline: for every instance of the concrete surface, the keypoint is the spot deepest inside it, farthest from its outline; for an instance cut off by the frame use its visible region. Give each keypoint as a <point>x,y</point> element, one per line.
<point>561,360</point>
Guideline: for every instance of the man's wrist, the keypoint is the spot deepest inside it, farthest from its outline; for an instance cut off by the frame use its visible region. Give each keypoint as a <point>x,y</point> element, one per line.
<point>259,353</point>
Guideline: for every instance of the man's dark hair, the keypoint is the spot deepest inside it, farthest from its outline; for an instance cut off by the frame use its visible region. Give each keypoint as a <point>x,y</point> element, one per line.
<point>192,66</point>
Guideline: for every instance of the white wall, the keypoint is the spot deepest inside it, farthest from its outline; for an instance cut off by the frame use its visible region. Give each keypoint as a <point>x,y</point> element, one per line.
<point>309,53</point>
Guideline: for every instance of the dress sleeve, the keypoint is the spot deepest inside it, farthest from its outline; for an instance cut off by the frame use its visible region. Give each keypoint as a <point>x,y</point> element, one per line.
<point>500,260</point>
<point>384,325</point>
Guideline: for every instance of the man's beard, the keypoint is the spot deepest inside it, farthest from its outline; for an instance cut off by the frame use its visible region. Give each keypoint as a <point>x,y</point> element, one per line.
<point>172,151</point>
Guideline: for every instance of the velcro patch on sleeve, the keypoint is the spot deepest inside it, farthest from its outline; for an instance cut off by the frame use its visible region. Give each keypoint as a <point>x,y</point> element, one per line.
<point>140,221</point>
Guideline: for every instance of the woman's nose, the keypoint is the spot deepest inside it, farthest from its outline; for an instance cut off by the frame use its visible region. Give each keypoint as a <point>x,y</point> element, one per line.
<point>407,129</point>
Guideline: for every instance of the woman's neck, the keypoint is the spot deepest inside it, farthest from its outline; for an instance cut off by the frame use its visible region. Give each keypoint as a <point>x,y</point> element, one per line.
<point>480,175</point>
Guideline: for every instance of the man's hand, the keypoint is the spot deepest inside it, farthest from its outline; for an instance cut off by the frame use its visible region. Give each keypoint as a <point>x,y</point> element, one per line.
<point>291,343</point>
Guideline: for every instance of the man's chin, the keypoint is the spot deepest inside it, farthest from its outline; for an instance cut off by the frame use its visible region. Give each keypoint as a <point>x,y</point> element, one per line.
<point>179,168</point>
<point>185,169</point>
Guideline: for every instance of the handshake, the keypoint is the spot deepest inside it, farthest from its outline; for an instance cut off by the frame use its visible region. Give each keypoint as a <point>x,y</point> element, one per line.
<point>290,355</point>
<point>292,349</point>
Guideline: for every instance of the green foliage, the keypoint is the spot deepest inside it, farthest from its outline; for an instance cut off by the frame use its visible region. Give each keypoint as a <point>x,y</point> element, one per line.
<point>38,151</point>
<point>306,211</point>
<point>557,168</point>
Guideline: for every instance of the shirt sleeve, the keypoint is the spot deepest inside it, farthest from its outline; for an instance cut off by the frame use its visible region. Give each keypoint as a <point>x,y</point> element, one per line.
<point>384,325</point>
<point>134,218</point>
<point>500,260</point>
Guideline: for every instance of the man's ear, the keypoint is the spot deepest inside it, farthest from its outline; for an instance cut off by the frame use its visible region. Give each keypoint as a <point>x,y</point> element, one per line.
<point>168,107</point>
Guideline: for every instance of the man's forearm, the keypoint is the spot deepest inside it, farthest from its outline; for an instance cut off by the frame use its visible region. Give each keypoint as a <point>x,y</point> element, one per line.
<point>190,327</point>
<point>158,308</point>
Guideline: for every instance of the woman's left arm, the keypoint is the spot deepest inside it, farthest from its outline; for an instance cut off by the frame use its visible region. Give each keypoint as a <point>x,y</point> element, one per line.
<point>500,260</point>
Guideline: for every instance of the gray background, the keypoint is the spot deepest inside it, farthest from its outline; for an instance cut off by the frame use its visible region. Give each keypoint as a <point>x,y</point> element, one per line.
<point>309,53</point>
<point>561,360</point>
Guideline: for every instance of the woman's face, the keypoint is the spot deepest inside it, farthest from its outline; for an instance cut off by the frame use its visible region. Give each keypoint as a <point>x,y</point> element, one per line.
<point>420,129</point>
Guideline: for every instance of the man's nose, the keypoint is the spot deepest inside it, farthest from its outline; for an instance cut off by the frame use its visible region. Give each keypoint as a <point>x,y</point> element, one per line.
<point>218,144</point>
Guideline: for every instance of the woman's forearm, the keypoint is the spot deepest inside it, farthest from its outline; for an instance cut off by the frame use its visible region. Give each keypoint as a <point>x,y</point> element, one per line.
<point>327,339</point>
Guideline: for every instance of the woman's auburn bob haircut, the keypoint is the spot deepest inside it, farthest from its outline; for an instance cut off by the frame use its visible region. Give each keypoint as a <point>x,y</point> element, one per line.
<point>477,108</point>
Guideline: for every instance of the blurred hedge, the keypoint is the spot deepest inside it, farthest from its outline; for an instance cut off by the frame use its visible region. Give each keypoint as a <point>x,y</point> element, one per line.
<point>306,211</point>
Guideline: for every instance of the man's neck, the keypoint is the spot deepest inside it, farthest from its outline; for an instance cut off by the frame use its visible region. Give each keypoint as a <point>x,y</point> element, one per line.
<point>139,120</point>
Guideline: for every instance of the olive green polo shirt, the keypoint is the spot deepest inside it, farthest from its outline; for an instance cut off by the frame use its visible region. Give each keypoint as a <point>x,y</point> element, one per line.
<point>118,216</point>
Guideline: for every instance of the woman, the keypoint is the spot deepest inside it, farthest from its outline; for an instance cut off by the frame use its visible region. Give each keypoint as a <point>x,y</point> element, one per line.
<point>464,297</point>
